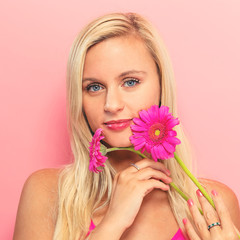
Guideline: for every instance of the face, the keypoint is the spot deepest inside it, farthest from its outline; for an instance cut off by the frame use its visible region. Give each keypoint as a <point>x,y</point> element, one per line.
<point>120,78</point>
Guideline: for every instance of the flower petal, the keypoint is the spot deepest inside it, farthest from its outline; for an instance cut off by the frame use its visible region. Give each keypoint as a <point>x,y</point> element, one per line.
<point>137,140</point>
<point>139,122</point>
<point>139,146</point>
<point>172,133</point>
<point>173,140</point>
<point>153,113</point>
<point>148,147</point>
<point>96,157</point>
<point>153,153</point>
<point>160,152</point>
<point>163,111</point>
<point>171,123</point>
<point>170,148</point>
<point>143,149</point>
<point>144,116</point>
<point>137,128</point>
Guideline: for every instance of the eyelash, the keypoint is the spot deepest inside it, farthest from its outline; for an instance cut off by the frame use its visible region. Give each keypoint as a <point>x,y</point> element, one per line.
<point>92,85</point>
<point>136,81</point>
<point>132,79</point>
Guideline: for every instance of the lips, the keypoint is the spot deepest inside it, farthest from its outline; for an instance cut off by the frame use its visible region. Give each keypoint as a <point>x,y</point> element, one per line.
<point>118,124</point>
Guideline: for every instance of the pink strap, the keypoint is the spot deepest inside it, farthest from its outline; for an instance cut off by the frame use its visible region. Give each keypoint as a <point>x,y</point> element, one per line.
<point>178,236</point>
<point>92,226</point>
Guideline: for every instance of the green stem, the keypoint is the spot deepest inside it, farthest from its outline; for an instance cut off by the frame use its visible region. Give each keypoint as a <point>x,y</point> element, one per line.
<point>179,191</point>
<point>182,194</point>
<point>129,149</point>
<point>204,192</point>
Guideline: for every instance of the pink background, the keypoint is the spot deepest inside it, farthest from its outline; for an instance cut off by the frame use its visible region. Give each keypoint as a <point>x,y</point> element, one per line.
<point>203,41</point>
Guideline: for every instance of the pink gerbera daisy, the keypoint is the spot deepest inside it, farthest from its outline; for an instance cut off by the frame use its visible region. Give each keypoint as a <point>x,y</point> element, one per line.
<point>153,132</point>
<point>96,157</point>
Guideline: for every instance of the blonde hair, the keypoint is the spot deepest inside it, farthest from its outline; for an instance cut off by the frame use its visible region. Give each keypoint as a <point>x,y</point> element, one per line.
<point>81,192</point>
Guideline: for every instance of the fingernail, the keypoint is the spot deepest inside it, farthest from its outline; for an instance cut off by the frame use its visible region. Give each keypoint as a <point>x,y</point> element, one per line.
<point>214,193</point>
<point>184,221</point>
<point>199,193</point>
<point>168,172</point>
<point>190,202</point>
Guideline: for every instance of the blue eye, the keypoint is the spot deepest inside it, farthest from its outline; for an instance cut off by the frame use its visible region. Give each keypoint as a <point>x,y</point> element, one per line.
<point>131,82</point>
<point>93,87</point>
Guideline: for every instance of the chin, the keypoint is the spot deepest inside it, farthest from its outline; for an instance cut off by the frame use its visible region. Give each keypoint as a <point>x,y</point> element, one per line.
<point>118,143</point>
<point>118,139</point>
<point>128,144</point>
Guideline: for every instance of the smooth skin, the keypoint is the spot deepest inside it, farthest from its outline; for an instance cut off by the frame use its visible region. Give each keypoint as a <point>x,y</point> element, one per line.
<point>36,219</point>
<point>120,79</point>
<point>223,232</point>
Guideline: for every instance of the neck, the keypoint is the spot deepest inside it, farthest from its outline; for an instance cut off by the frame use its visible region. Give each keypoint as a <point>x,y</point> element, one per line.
<point>122,159</point>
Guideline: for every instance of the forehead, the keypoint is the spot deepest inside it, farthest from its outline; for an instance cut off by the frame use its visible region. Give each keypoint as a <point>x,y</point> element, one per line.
<point>118,54</point>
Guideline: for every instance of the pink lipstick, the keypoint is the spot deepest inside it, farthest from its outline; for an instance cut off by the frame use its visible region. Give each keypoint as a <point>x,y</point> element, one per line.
<point>118,124</point>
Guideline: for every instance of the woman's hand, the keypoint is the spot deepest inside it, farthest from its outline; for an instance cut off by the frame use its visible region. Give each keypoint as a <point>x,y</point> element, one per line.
<point>210,216</point>
<point>130,186</point>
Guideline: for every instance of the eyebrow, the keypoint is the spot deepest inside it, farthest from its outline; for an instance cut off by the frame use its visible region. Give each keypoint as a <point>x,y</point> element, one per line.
<point>121,75</point>
<point>131,72</point>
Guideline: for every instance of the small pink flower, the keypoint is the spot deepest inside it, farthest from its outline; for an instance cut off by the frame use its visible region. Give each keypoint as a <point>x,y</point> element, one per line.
<point>96,157</point>
<point>153,132</point>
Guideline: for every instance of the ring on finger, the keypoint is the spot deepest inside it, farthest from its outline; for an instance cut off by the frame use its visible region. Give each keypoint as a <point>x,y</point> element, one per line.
<point>134,165</point>
<point>213,225</point>
<point>210,215</point>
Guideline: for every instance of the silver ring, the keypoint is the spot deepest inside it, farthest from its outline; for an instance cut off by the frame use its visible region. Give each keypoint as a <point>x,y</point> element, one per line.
<point>214,224</point>
<point>134,165</point>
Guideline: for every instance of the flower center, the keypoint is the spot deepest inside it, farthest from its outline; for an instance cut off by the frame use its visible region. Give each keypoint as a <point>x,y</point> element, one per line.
<point>156,132</point>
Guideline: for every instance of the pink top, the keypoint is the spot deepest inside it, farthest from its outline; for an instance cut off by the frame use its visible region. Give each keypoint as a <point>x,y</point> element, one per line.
<point>178,235</point>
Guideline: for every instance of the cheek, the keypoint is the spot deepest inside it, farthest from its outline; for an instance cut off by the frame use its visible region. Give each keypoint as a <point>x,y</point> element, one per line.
<point>147,97</point>
<point>154,92</point>
<point>91,113</point>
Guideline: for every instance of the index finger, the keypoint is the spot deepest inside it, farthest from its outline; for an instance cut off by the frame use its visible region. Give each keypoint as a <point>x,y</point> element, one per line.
<point>151,163</point>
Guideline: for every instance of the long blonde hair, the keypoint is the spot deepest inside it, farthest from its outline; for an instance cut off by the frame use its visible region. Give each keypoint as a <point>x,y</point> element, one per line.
<point>81,192</point>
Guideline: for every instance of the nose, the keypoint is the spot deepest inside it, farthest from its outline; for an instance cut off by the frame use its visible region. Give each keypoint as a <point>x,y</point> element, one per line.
<point>114,101</point>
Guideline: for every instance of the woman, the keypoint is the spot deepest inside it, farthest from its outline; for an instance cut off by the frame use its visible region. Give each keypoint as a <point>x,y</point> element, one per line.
<point>118,66</point>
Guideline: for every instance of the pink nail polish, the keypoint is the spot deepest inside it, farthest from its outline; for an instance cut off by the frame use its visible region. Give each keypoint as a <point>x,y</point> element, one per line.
<point>190,202</point>
<point>199,193</point>
<point>214,193</point>
<point>184,221</point>
<point>167,172</point>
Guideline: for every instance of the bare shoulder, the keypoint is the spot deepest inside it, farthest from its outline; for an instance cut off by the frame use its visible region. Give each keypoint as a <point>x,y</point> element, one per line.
<point>46,179</point>
<point>229,197</point>
<point>37,208</point>
<point>225,191</point>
